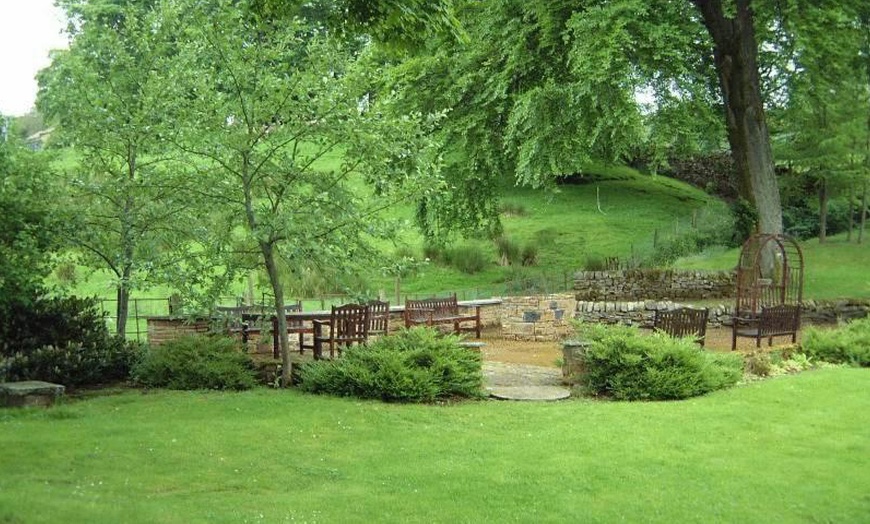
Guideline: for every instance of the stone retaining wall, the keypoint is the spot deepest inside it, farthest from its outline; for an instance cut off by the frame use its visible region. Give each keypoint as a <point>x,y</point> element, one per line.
<point>640,284</point>
<point>548,317</point>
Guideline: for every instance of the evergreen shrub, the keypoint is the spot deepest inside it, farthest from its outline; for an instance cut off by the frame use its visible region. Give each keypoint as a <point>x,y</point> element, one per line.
<point>62,340</point>
<point>196,362</point>
<point>414,365</point>
<point>848,344</point>
<point>625,365</point>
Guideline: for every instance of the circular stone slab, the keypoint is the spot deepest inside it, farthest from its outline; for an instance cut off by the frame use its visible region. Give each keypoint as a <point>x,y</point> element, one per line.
<point>529,392</point>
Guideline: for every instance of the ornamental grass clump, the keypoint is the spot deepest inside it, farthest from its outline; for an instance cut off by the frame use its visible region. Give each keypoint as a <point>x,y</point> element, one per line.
<point>622,364</point>
<point>415,365</point>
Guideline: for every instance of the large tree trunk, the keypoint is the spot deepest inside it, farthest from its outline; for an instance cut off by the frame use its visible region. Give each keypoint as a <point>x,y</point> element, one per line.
<point>736,57</point>
<point>823,209</point>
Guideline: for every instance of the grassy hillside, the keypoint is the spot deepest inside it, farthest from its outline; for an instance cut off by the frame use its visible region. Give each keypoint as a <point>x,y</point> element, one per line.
<point>613,211</point>
<point>610,211</point>
<point>836,269</point>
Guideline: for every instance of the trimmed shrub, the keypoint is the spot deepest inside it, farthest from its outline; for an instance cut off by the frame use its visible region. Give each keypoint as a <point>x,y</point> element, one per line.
<point>415,365</point>
<point>848,344</point>
<point>625,365</point>
<point>63,340</point>
<point>196,362</point>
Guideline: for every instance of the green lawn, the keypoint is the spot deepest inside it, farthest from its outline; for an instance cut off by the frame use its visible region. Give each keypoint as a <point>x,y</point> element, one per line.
<point>790,449</point>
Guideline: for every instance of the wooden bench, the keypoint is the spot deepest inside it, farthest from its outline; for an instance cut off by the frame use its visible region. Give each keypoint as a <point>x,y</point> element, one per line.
<point>440,311</point>
<point>682,322</point>
<point>774,321</point>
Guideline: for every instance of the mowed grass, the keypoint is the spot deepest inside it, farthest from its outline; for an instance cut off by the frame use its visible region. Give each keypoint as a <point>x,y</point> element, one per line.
<point>835,269</point>
<point>790,449</point>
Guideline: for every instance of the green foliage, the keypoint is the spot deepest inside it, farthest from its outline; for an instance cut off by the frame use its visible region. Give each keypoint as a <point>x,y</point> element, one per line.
<point>467,258</point>
<point>529,255</point>
<point>196,362</point>
<point>62,340</point>
<point>511,209</point>
<point>625,365</point>
<point>32,226</point>
<point>508,250</point>
<point>594,262</point>
<point>848,344</point>
<point>759,363</point>
<point>711,227</point>
<point>745,221</point>
<point>415,365</point>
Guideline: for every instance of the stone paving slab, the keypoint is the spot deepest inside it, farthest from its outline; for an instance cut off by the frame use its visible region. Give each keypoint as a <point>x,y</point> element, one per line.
<point>529,392</point>
<point>524,382</point>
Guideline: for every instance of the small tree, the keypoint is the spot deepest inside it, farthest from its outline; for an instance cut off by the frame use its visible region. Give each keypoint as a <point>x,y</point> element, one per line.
<point>287,143</point>
<point>107,94</point>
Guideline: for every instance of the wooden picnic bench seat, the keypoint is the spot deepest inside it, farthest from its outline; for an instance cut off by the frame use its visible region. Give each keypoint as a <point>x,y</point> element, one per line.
<point>773,321</point>
<point>439,311</point>
<point>682,322</point>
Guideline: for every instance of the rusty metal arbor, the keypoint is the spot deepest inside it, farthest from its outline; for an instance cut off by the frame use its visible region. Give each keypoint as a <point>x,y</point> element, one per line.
<point>770,281</point>
<point>770,273</point>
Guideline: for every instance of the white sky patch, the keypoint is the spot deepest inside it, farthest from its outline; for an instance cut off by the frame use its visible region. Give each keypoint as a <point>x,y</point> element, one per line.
<point>29,29</point>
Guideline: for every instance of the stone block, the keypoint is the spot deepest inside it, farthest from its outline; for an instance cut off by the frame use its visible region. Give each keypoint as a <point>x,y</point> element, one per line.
<point>29,393</point>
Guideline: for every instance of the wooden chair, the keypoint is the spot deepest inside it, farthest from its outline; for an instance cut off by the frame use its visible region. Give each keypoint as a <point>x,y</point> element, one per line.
<point>347,324</point>
<point>774,321</point>
<point>379,317</point>
<point>683,322</point>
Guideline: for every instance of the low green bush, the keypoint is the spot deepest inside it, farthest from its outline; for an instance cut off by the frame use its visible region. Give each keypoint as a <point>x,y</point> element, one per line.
<point>625,365</point>
<point>848,344</point>
<point>63,340</point>
<point>415,365</point>
<point>196,362</point>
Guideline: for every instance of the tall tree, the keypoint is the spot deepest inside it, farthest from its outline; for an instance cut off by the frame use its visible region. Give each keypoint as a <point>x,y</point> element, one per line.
<point>824,129</point>
<point>735,52</point>
<point>541,88</point>
<point>107,94</point>
<point>288,144</point>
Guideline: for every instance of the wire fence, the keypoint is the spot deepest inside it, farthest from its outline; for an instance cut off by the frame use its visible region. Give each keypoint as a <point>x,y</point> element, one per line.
<point>139,309</point>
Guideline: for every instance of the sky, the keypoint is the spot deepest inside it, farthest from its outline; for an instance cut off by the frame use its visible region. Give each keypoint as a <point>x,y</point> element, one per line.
<point>29,29</point>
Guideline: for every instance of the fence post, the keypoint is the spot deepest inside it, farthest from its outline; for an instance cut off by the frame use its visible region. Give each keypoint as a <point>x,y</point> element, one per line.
<point>136,315</point>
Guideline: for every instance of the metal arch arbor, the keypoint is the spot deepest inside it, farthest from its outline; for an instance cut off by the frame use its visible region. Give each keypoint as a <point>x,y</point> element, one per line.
<point>770,272</point>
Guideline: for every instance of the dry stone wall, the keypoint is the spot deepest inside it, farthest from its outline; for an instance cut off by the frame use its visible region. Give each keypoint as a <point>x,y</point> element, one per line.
<point>548,317</point>
<point>641,284</point>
